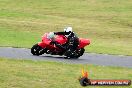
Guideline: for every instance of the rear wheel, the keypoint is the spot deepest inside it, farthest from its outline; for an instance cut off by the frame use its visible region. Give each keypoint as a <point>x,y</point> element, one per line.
<point>37,50</point>
<point>67,57</point>
<point>75,54</point>
<point>69,54</point>
<point>79,52</point>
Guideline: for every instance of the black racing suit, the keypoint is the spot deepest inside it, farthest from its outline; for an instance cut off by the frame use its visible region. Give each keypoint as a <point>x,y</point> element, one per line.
<point>73,41</point>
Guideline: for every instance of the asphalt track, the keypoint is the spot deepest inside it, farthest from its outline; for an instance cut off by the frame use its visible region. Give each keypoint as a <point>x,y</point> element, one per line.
<point>87,58</point>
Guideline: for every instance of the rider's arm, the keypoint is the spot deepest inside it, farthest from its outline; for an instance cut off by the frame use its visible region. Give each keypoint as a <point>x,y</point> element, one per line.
<point>61,33</point>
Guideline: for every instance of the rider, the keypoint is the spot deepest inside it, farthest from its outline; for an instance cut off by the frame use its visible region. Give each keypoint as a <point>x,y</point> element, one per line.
<point>73,41</point>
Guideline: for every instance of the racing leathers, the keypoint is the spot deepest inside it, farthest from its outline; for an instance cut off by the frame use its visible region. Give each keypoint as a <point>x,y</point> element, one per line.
<point>71,45</point>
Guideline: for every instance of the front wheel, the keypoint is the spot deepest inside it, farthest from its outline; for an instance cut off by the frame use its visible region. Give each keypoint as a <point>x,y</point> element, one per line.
<point>37,50</point>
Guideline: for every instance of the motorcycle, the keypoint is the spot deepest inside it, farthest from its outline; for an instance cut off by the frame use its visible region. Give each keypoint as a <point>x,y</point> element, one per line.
<point>45,46</point>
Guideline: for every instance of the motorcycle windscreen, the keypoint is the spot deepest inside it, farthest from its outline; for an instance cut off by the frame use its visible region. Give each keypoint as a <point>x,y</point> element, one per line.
<point>45,41</point>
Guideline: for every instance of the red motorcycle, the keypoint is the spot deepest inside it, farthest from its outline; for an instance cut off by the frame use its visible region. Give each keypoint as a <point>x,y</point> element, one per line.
<point>45,46</point>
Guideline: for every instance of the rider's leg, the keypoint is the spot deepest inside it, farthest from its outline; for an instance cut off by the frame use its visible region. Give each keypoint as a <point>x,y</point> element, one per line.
<point>73,44</point>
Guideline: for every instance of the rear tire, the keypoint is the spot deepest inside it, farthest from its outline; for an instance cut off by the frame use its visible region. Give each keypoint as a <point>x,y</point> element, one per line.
<point>37,50</point>
<point>76,54</point>
<point>68,54</point>
<point>80,52</point>
<point>67,57</point>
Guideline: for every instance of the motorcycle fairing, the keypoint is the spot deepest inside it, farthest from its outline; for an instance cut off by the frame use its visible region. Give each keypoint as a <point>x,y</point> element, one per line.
<point>83,42</point>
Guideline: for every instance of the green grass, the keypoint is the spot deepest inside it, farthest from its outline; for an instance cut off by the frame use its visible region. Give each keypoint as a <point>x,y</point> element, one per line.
<point>107,23</point>
<point>43,74</point>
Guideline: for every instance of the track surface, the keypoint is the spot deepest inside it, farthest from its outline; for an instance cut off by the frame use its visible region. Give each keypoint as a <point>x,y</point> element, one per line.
<point>87,58</point>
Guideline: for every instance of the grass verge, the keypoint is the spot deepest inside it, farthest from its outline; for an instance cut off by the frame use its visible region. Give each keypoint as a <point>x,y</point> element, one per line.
<point>106,23</point>
<point>44,74</point>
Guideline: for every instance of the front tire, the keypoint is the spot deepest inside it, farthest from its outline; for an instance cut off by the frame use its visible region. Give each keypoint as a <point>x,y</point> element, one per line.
<point>37,50</point>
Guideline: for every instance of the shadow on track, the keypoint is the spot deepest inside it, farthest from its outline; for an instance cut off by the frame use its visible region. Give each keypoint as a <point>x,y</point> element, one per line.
<point>59,57</point>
